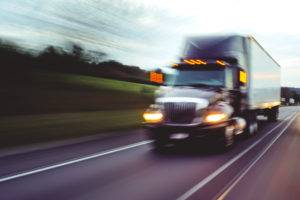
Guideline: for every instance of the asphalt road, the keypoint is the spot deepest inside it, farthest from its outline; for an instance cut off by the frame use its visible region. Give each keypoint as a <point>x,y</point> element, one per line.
<point>266,166</point>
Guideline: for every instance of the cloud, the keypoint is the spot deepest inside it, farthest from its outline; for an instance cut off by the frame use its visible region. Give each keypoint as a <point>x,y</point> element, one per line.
<point>150,33</point>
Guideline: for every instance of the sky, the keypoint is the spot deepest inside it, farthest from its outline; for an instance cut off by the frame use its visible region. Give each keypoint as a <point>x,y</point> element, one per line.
<point>150,33</point>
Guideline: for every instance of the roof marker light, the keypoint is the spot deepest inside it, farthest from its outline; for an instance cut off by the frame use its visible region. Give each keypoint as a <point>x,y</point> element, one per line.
<point>201,62</point>
<point>220,62</point>
<point>195,62</point>
<point>190,62</point>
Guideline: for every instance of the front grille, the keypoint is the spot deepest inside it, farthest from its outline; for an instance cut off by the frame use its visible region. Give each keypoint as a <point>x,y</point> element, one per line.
<point>181,113</point>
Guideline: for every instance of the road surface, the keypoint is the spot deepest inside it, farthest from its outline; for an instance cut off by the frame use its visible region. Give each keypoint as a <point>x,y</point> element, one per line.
<point>266,166</point>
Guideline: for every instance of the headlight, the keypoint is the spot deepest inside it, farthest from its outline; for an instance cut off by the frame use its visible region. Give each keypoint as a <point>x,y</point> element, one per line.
<point>153,117</point>
<point>215,117</point>
<point>153,114</point>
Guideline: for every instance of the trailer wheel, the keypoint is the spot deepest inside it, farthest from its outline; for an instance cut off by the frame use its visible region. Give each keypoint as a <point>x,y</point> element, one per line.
<point>252,125</point>
<point>272,114</point>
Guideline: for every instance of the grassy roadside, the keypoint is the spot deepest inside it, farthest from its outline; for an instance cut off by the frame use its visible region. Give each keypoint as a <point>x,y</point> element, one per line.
<point>39,106</point>
<point>42,91</point>
<point>21,130</point>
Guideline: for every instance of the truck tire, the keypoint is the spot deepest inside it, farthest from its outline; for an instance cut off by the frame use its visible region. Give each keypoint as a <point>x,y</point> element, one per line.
<point>272,114</point>
<point>159,144</point>
<point>228,138</point>
<point>252,125</point>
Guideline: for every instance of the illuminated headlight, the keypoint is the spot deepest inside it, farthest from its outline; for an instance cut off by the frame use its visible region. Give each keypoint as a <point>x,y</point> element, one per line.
<point>215,117</point>
<point>153,117</point>
<point>153,114</point>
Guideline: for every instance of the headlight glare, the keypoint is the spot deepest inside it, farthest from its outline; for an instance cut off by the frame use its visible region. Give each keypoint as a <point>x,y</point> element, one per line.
<point>215,117</point>
<point>153,114</point>
<point>153,117</point>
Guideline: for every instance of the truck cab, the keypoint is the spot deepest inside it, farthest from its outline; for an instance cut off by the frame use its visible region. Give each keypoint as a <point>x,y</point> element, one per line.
<point>203,98</point>
<point>212,75</point>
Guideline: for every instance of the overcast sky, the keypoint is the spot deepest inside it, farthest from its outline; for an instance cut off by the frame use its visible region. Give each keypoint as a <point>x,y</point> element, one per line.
<point>150,33</point>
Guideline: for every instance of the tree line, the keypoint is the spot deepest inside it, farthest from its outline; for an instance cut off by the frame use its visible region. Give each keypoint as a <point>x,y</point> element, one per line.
<point>74,59</point>
<point>290,93</point>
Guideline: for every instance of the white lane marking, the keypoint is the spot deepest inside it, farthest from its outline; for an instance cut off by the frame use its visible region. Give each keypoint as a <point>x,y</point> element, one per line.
<point>96,155</point>
<point>42,169</point>
<point>207,179</point>
<point>221,197</point>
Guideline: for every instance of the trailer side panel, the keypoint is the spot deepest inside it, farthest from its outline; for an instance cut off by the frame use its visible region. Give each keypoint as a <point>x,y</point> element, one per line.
<point>263,77</point>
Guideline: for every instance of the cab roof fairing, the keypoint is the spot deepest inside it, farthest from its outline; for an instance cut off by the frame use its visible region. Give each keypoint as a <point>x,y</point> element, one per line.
<point>230,48</point>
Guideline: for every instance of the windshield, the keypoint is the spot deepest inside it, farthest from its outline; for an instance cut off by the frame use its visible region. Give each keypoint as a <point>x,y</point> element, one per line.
<point>201,77</point>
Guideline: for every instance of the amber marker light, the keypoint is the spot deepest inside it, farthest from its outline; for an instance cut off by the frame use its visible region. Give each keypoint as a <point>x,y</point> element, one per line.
<point>220,62</point>
<point>201,62</point>
<point>243,77</point>
<point>195,62</point>
<point>156,77</point>
<point>190,62</point>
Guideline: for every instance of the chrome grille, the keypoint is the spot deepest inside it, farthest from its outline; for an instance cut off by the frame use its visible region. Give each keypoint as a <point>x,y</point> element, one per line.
<point>180,113</point>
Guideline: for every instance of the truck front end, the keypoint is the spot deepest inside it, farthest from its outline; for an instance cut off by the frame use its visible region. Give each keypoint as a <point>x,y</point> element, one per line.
<point>196,105</point>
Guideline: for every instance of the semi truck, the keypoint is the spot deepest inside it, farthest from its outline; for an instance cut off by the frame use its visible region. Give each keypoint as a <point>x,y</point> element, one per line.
<point>220,85</point>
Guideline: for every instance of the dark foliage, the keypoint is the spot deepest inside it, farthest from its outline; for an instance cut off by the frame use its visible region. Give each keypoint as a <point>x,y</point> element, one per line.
<point>75,60</point>
<point>290,92</point>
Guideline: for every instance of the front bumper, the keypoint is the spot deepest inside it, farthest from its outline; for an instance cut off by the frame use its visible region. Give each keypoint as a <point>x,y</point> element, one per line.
<point>186,133</point>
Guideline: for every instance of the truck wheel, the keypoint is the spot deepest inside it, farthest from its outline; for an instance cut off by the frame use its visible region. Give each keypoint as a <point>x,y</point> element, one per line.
<point>272,114</point>
<point>159,145</point>
<point>228,140</point>
<point>252,125</point>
